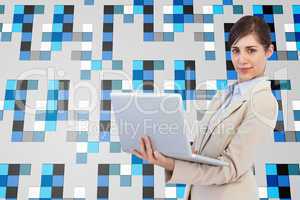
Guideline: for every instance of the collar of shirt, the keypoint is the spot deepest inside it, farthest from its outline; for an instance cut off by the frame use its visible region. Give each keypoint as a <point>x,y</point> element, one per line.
<point>240,89</point>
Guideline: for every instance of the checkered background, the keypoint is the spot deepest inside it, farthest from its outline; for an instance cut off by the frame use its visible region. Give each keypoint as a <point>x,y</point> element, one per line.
<point>60,61</point>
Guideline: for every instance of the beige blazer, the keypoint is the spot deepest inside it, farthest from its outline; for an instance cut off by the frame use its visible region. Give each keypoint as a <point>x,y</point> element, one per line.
<point>244,126</point>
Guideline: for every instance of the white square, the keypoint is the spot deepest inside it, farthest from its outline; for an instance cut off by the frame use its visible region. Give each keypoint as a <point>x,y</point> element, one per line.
<point>127,85</point>
<point>168,27</point>
<point>45,46</point>
<point>34,192</point>
<point>79,192</point>
<point>209,46</point>
<point>40,105</point>
<point>86,46</point>
<point>169,85</point>
<point>85,65</point>
<point>262,192</point>
<point>128,9</point>
<point>296,105</point>
<point>125,169</point>
<point>168,9</point>
<point>291,46</point>
<point>83,105</point>
<point>170,192</point>
<point>1,105</point>
<point>207,10</point>
<point>47,28</point>
<point>39,125</point>
<point>208,27</point>
<point>81,147</point>
<point>7,28</point>
<point>297,125</point>
<point>87,27</point>
<point>289,28</point>
<point>211,85</point>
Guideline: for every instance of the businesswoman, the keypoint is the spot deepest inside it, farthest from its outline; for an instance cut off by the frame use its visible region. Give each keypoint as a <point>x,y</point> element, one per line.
<point>238,121</point>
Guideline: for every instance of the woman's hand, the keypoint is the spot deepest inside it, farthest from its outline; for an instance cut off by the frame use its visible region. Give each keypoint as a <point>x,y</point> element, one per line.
<point>155,157</point>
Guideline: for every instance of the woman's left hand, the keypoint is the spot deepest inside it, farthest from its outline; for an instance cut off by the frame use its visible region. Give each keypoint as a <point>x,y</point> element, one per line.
<point>155,157</point>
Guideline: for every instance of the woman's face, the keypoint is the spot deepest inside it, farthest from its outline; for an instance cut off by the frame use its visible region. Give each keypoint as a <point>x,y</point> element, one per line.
<point>249,57</point>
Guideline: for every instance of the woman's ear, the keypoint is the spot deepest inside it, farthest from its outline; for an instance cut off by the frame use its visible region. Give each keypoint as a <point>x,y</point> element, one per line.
<point>270,51</point>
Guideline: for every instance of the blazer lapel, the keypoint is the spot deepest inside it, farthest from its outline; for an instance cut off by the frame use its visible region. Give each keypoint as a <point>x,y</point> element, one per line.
<point>219,119</point>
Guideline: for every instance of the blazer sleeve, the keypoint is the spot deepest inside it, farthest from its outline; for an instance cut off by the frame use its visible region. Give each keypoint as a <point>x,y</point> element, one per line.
<point>255,129</point>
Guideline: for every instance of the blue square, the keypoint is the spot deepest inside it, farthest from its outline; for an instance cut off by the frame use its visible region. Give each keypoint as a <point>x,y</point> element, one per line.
<point>68,18</point>
<point>138,75</point>
<point>38,136</point>
<point>19,9</point>
<point>56,46</point>
<point>19,115</point>
<point>148,18</point>
<point>11,84</point>
<point>218,9</point>
<point>137,84</point>
<point>128,18</point>
<point>50,126</point>
<point>210,55</point>
<point>190,75</point>
<point>85,74</point>
<point>180,84</point>
<point>148,181</point>
<point>107,36</point>
<point>137,9</point>
<point>179,74</point>
<point>17,136</point>
<point>179,65</point>
<point>59,9</point>
<point>12,181</point>
<point>104,136</point>
<point>93,147</point>
<point>28,18</point>
<point>81,158</point>
<point>87,36</point>
<point>3,180</point>
<point>271,169</point>
<point>168,36</point>
<point>17,28</point>
<point>3,169</point>
<point>178,27</point>
<point>272,180</point>
<point>137,65</point>
<point>106,55</point>
<point>45,192</point>
<point>25,55</point>
<point>136,169</point>
<point>46,180</point>
<point>227,2</point>
<point>148,75</point>
<point>26,36</point>
<point>125,180</point>
<point>2,192</point>
<point>273,192</point>
<point>257,9</point>
<point>5,37</point>
<point>188,18</point>
<point>20,94</point>
<point>148,36</point>
<point>53,85</point>
<point>108,18</point>
<point>103,181</point>
<point>57,181</point>
<point>231,75</point>
<point>279,136</point>
<point>67,37</point>
<point>283,181</point>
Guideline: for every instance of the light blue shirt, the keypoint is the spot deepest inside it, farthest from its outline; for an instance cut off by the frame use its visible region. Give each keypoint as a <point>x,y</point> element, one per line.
<point>236,91</point>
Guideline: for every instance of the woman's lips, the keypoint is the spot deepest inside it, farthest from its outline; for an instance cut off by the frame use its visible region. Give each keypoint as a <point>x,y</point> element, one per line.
<point>244,70</point>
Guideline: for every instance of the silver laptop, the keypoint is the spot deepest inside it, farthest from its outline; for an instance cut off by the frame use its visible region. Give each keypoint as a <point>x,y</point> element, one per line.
<point>160,116</point>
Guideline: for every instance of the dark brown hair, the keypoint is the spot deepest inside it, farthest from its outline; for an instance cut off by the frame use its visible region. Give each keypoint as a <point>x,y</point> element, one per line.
<point>247,25</point>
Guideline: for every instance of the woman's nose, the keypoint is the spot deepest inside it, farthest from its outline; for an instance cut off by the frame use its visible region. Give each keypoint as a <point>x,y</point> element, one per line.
<point>242,59</point>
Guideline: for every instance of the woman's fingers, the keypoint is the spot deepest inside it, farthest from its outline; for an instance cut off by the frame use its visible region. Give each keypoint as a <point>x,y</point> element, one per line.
<point>143,149</point>
<point>149,149</point>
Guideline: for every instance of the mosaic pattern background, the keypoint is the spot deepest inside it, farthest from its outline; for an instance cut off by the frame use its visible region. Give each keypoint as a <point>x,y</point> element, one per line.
<point>61,60</point>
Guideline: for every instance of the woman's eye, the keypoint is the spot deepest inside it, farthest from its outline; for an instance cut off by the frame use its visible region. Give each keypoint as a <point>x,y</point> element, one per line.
<point>251,50</point>
<point>234,51</point>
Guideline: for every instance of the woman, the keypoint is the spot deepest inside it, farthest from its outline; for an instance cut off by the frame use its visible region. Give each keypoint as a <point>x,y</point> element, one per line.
<point>239,121</point>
